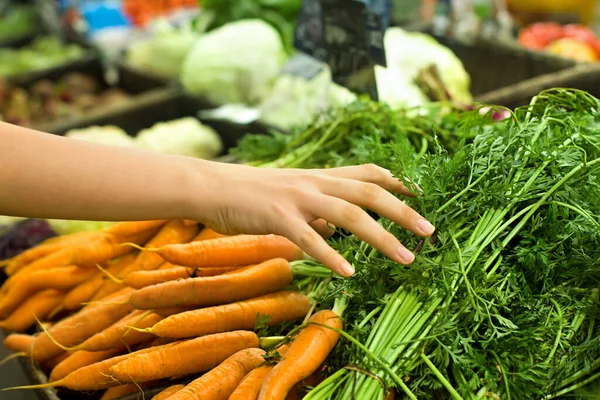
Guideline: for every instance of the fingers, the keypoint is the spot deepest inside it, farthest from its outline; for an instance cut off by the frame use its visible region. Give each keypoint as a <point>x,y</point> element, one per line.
<point>315,246</point>
<point>375,198</point>
<point>323,228</point>
<point>355,219</point>
<point>370,173</point>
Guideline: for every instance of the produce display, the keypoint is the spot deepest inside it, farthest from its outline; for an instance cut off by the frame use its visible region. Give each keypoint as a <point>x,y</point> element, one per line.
<point>501,301</point>
<point>43,53</point>
<point>17,22</point>
<point>570,41</point>
<point>45,101</point>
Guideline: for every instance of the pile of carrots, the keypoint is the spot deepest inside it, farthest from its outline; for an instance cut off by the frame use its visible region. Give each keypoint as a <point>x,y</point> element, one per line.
<point>139,304</point>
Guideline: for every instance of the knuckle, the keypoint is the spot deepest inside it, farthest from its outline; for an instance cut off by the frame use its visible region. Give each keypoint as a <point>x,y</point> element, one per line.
<point>307,238</point>
<point>369,193</point>
<point>352,213</point>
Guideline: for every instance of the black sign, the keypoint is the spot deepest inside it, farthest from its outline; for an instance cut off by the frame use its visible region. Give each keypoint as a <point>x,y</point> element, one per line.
<point>303,65</point>
<point>348,36</point>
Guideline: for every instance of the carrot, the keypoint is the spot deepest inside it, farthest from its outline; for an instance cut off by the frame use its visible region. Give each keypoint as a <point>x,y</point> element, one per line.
<point>54,361</point>
<point>118,391</point>
<point>220,382</point>
<point>250,386</point>
<point>88,289</point>
<point>18,342</point>
<point>94,376</point>
<point>141,279</point>
<point>183,358</point>
<point>45,248</point>
<point>119,334</point>
<point>75,329</point>
<point>79,359</point>
<point>173,232</point>
<point>246,283</point>
<point>132,227</point>
<point>280,307</point>
<point>208,234</point>
<point>168,392</point>
<point>38,306</point>
<point>308,351</point>
<point>229,251</point>
<point>61,278</point>
<point>88,253</point>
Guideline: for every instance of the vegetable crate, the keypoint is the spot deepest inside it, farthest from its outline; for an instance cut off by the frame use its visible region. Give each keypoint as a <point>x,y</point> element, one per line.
<point>494,65</point>
<point>584,77</point>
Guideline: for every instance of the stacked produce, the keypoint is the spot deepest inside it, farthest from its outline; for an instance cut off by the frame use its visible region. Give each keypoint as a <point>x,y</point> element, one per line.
<point>45,101</point>
<point>198,292</point>
<point>570,41</point>
<point>501,302</point>
<point>43,53</point>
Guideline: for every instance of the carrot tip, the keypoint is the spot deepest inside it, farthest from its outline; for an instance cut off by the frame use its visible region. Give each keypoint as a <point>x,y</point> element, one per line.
<point>53,313</point>
<point>62,347</point>
<point>40,386</point>
<point>136,246</point>
<point>145,330</point>
<point>124,303</point>
<point>12,356</point>
<point>109,275</point>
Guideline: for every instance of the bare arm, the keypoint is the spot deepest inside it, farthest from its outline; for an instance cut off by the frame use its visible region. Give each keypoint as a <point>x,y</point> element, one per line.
<point>48,176</point>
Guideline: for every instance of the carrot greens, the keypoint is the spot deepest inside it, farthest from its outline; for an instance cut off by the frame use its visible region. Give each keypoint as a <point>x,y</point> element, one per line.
<point>502,301</point>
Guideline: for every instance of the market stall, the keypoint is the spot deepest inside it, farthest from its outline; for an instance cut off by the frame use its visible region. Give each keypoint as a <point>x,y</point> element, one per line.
<point>492,127</point>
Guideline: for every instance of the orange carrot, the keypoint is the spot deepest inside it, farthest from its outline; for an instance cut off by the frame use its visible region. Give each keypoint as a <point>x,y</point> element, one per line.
<point>172,233</point>
<point>61,278</point>
<point>250,386</point>
<point>280,307</point>
<point>168,392</point>
<point>93,376</point>
<point>75,329</point>
<point>45,248</point>
<point>119,335</point>
<point>18,342</point>
<point>208,234</point>
<point>308,351</point>
<point>168,311</point>
<point>246,283</point>
<point>141,279</point>
<point>88,289</point>
<point>38,306</point>
<point>133,227</point>
<point>79,359</point>
<point>54,361</point>
<point>220,382</point>
<point>119,391</point>
<point>183,358</point>
<point>229,251</point>
<point>88,253</point>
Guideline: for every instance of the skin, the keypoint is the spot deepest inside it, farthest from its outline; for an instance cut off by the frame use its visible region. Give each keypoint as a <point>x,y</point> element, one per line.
<point>48,176</point>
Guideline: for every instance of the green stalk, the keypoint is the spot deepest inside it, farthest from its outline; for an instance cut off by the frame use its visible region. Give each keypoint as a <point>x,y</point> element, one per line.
<point>441,378</point>
<point>573,387</point>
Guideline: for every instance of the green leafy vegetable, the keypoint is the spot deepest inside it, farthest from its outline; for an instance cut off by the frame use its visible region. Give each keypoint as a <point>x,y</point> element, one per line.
<point>502,302</point>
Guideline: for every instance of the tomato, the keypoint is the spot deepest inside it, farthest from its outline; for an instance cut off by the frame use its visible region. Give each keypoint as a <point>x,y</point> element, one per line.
<point>541,34</point>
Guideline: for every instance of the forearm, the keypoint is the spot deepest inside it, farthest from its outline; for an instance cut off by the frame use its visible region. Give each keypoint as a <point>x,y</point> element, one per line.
<point>48,176</point>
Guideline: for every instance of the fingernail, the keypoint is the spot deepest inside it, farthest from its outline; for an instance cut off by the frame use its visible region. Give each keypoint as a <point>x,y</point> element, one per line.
<point>347,269</point>
<point>425,227</point>
<point>406,256</point>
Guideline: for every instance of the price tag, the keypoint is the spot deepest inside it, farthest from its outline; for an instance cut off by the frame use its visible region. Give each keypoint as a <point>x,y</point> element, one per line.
<point>302,65</point>
<point>308,36</point>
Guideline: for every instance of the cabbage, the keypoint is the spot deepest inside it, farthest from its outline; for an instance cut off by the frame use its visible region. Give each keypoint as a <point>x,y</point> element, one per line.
<point>185,136</point>
<point>296,101</point>
<point>163,54</point>
<point>108,135</point>
<point>235,63</point>
<point>409,53</point>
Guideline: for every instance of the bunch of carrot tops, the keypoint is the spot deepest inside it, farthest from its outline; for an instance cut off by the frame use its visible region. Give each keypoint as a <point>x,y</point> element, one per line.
<point>141,303</point>
<point>502,301</point>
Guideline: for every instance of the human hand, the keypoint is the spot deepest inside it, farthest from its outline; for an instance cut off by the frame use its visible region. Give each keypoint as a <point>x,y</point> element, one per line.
<point>296,203</point>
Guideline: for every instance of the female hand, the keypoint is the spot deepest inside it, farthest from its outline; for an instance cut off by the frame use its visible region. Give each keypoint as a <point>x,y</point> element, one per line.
<point>296,203</point>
